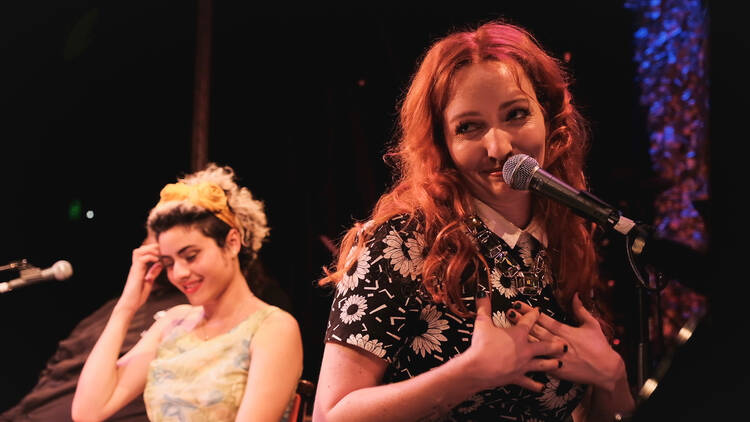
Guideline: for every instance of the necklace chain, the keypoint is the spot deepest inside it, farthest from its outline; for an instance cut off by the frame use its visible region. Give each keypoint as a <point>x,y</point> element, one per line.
<point>527,281</point>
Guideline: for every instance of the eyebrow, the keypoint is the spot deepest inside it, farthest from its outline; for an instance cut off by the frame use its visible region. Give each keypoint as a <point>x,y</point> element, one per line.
<point>504,105</point>
<point>184,248</point>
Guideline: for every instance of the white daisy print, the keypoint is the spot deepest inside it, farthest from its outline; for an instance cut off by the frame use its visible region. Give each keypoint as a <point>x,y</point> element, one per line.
<point>373,346</point>
<point>495,281</point>
<point>555,396</point>
<point>500,319</point>
<point>527,246</point>
<point>416,250</point>
<point>429,341</point>
<point>406,257</point>
<point>353,309</point>
<point>356,272</point>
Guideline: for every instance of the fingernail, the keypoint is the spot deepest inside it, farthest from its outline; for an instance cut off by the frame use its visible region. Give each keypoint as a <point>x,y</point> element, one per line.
<point>511,314</point>
<point>565,348</point>
<point>481,293</point>
<point>559,364</point>
<point>517,305</point>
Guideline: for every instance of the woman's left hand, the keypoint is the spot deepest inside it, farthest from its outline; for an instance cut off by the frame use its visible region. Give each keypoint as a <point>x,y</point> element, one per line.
<point>589,358</point>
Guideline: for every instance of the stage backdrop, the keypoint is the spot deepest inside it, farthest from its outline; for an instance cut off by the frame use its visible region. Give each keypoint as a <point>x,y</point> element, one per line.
<point>98,107</point>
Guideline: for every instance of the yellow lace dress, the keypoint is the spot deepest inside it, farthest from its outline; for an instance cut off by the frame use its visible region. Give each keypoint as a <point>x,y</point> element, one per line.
<point>195,380</point>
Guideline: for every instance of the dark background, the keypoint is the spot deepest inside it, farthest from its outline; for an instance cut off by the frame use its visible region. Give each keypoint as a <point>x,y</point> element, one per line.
<point>97,107</point>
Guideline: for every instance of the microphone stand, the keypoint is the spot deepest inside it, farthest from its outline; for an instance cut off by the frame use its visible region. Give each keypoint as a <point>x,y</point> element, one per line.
<point>21,264</point>
<point>636,245</point>
<point>679,262</point>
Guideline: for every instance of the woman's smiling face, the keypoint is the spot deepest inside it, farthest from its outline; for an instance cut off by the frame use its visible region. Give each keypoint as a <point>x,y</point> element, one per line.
<point>492,113</point>
<point>195,264</point>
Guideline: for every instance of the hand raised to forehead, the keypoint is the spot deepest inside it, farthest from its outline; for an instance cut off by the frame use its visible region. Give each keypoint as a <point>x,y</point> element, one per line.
<point>143,271</point>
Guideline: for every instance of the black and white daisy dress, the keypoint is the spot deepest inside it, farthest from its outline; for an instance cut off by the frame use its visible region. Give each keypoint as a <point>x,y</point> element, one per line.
<point>381,307</point>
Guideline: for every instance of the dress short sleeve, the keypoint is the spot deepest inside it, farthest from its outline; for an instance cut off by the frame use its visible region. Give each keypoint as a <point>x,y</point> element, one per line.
<point>381,308</point>
<point>373,305</point>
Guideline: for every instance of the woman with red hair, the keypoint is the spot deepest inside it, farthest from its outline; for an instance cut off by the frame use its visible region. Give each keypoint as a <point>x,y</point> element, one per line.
<point>461,298</point>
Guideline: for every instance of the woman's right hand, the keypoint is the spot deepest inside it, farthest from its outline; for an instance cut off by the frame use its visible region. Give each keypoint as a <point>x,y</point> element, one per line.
<point>107,381</point>
<point>505,355</point>
<point>143,271</point>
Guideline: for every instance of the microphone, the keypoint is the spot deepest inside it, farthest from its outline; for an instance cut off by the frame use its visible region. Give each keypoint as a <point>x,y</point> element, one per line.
<point>522,172</point>
<point>61,270</point>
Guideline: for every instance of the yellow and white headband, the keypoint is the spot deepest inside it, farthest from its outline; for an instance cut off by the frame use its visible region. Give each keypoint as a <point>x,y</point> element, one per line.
<point>205,194</point>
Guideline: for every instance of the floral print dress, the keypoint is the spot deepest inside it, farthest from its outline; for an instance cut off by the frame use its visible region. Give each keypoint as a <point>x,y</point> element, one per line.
<point>195,380</point>
<point>381,307</point>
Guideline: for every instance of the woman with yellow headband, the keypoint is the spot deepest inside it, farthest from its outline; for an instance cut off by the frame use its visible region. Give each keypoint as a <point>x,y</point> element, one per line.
<point>227,355</point>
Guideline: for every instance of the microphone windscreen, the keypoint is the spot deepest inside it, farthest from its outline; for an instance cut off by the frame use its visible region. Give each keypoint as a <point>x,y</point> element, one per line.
<point>518,169</point>
<point>62,270</point>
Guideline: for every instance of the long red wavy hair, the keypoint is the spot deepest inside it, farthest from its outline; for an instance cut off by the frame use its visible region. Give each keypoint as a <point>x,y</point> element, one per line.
<point>430,187</point>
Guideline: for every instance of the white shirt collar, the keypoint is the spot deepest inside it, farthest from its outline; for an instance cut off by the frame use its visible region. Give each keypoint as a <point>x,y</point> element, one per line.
<point>508,231</point>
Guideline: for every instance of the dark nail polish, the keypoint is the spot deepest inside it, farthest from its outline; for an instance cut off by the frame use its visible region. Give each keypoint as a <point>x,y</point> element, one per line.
<point>559,364</point>
<point>511,314</point>
<point>517,305</point>
<point>481,294</point>
<point>565,348</point>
